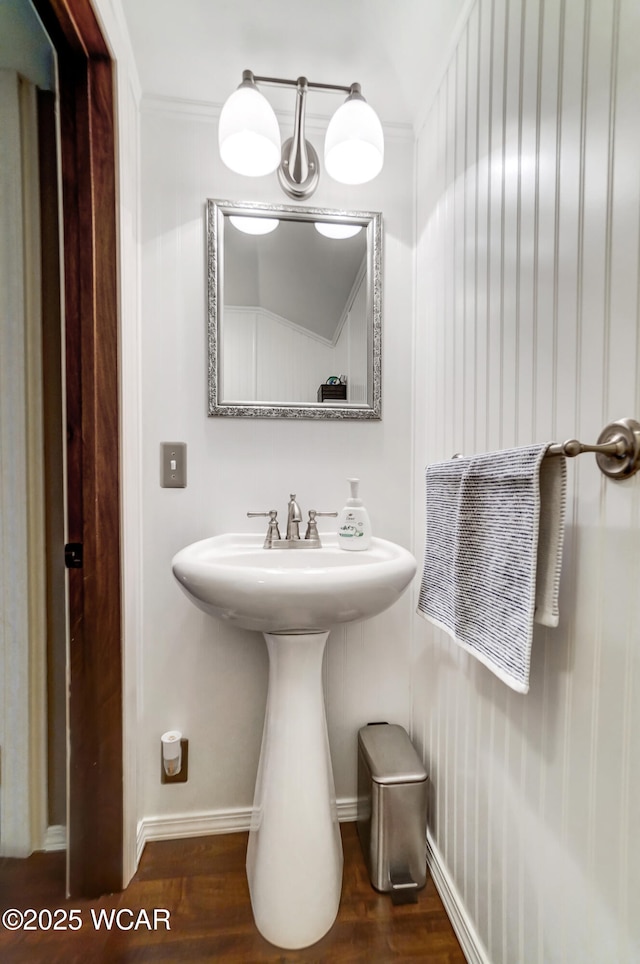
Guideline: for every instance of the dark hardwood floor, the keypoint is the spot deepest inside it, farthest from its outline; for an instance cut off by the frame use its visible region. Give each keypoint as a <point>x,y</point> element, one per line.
<point>201,883</point>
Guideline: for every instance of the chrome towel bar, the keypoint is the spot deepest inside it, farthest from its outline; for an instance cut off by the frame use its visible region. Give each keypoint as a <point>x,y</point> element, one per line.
<point>617,450</point>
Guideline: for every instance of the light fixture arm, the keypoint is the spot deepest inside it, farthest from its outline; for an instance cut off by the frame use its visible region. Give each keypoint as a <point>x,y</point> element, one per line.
<point>299,169</point>
<point>281,82</point>
<point>298,156</point>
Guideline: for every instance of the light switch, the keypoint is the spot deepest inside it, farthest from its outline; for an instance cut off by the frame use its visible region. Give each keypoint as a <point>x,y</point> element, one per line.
<point>173,465</point>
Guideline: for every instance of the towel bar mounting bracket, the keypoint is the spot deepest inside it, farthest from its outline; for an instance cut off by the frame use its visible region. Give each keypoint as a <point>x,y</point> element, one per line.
<point>617,450</point>
<point>626,464</point>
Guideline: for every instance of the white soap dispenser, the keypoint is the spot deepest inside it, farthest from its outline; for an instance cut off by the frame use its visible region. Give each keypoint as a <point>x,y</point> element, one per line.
<point>354,526</point>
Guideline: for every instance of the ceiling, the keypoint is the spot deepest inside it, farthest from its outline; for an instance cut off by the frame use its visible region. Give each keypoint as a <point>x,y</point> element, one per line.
<point>294,272</point>
<point>197,49</point>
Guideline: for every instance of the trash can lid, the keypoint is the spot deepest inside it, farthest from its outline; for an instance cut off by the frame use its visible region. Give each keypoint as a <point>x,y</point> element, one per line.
<point>390,754</point>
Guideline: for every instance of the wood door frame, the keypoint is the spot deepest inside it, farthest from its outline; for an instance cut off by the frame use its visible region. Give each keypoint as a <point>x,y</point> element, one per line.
<point>90,280</point>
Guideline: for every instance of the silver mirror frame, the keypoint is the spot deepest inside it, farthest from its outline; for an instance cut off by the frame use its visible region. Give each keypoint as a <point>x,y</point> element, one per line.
<point>372,220</point>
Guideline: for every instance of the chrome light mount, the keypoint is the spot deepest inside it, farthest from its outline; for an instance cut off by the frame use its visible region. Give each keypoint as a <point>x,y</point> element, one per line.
<point>299,170</point>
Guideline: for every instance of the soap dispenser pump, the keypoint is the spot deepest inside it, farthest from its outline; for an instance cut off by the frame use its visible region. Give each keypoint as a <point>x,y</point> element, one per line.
<point>354,525</point>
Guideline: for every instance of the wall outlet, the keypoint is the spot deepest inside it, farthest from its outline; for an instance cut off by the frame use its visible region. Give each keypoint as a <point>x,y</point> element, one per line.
<point>184,768</point>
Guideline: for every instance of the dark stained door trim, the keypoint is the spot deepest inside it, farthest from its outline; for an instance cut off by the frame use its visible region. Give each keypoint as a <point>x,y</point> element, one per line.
<point>88,157</point>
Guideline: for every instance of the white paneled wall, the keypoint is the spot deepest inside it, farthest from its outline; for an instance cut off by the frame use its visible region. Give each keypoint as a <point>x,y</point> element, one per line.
<point>527,329</point>
<point>354,336</point>
<point>293,361</point>
<point>282,362</point>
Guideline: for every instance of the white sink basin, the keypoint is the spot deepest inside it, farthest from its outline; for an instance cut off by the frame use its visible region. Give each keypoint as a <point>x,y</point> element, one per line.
<point>291,590</point>
<point>294,597</point>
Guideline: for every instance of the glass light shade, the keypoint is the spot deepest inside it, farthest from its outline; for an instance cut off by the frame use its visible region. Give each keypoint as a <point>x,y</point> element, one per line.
<point>248,133</point>
<point>254,225</point>
<point>354,143</point>
<point>330,229</point>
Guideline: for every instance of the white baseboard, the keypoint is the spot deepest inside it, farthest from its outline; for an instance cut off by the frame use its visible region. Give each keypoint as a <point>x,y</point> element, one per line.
<point>55,838</point>
<point>470,942</point>
<point>209,822</point>
<point>347,810</point>
<point>202,824</point>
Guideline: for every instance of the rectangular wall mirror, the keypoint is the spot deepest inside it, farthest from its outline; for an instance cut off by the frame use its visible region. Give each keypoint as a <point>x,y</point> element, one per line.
<point>295,311</point>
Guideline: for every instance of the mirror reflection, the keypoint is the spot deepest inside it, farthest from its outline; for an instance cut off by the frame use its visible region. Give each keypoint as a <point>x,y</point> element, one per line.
<point>294,312</point>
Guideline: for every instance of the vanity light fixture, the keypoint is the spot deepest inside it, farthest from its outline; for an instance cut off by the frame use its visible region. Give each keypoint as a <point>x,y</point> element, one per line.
<point>249,137</point>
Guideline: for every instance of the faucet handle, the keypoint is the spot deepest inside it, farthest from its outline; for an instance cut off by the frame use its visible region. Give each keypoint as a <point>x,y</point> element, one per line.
<point>312,527</point>
<point>273,532</point>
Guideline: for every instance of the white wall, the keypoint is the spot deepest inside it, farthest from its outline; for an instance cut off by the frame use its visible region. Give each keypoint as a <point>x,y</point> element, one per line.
<point>196,674</point>
<point>293,361</point>
<point>527,328</point>
<point>24,46</point>
<point>352,345</point>
<point>23,791</point>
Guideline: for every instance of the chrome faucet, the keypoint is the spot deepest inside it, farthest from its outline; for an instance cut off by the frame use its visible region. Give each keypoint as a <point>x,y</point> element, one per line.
<point>273,539</point>
<point>294,518</point>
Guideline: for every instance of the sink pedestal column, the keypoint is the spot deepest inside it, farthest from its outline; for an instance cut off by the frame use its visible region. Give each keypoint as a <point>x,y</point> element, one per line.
<point>294,858</point>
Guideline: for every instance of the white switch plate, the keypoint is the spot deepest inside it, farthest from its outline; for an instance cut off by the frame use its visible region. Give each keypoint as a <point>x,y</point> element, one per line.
<point>173,465</point>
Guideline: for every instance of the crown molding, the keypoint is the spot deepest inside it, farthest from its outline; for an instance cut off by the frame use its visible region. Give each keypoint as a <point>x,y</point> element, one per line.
<point>209,111</point>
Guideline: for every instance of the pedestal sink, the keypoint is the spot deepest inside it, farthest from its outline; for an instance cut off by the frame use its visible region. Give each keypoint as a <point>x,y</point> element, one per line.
<point>294,857</point>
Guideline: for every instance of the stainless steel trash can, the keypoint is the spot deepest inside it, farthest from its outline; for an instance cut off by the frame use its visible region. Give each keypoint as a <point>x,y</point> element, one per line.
<point>392,810</point>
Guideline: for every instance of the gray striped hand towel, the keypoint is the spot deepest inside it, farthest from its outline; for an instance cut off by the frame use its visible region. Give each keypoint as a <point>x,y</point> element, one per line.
<point>493,553</point>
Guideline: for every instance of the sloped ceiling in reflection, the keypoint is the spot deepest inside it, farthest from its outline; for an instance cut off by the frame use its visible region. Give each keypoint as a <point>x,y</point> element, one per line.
<point>294,272</point>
